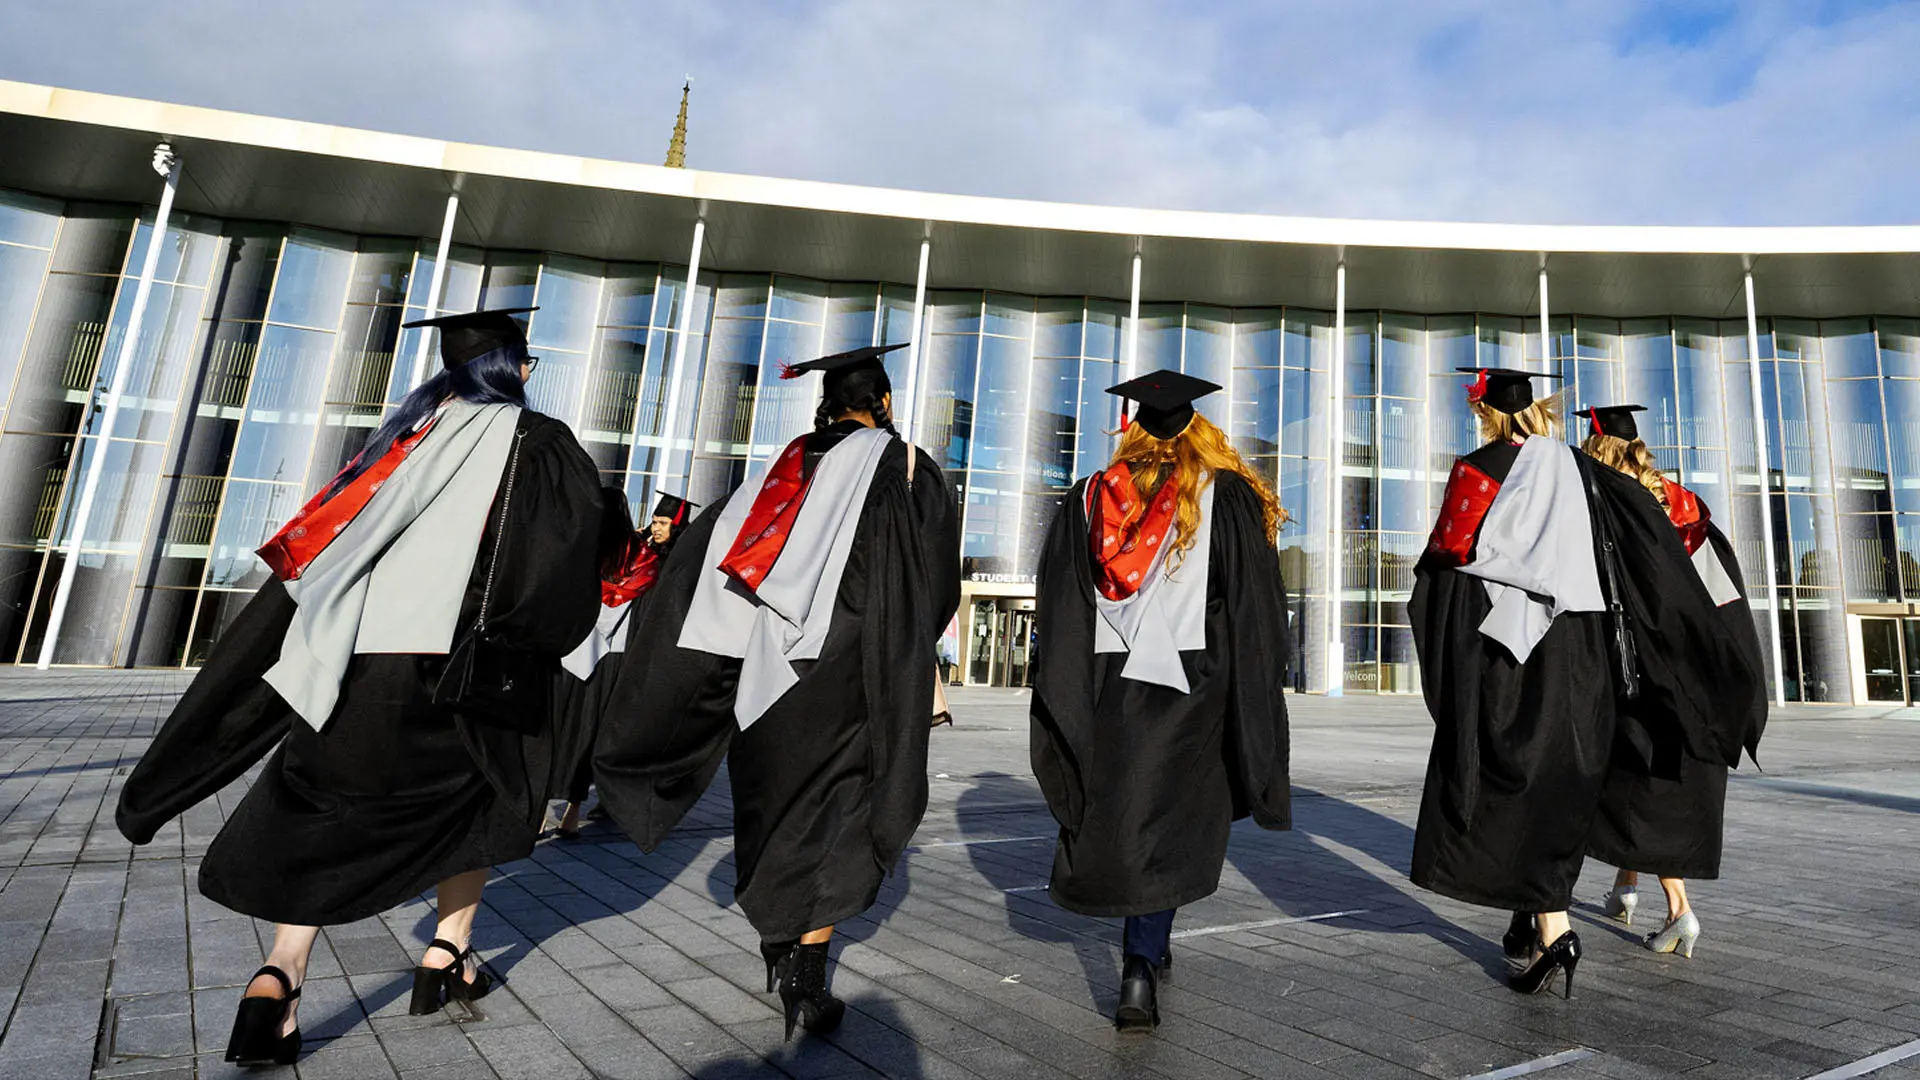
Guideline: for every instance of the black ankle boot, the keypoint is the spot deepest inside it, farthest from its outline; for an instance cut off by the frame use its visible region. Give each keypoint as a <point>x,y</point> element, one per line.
<point>775,953</point>
<point>1138,1010</point>
<point>803,991</point>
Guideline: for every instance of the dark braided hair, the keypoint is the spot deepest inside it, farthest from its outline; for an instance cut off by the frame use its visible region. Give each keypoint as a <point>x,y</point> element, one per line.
<point>863,389</point>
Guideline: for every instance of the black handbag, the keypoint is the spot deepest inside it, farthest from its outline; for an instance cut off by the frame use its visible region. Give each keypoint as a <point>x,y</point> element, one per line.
<point>483,680</point>
<point>1625,653</point>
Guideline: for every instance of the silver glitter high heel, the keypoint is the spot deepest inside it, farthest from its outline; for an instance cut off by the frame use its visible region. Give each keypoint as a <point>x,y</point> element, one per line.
<point>1619,904</point>
<point>1679,936</point>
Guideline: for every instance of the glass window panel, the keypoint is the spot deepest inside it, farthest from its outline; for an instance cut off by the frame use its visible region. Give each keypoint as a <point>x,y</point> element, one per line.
<point>1008,316</point>
<point>556,386</point>
<point>1803,452</point>
<point>568,297</point>
<point>1697,372</point>
<point>1361,361</point>
<point>953,312</point>
<point>1502,342</point>
<point>460,290</point>
<point>283,405</point>
<point>851,314</point>
<point>1050,435</point>
<point>1648,351</point>
<point>382,273</point>
<point>33,474</point>
<point>509,281</point>
<point>1160,334</point>
<point>364,366</point>
<point>786,406</point>
<point>1256,410</point>
<point>1256,337</point>
<point>312,283</point>
<point>1308,341</point>
<point>628,296</point>
<point>1103,329</point>
<point>1899,347</point>
<point>1810,532</point>
<point>93,239</point>
<point>992,522</point>
<point>798,300</point>
<point>63,354</point>
<point>241,290</point>
<point>999,415</point>
<point>1057,327</point>
<point>1903,438</point>
<point>1859,446</point>
<point>614,392</point>
<point>1303,413</point>
<point>1867,553</point>
<point>1402,437</point>
<point>1209,355</point>
<point>1848,348</point>
<point>1907,545</point>
<point>21,271</point>
<point>728,391</point>
<point>1450,343</point>
<point>343,430</point>
<point>162,360</point>
<point>1099,415</point>
<point>945,420</point>
<point>1403,363</point>
<point>896,319</point>
<point>185,257</point>
<point>28,219</point>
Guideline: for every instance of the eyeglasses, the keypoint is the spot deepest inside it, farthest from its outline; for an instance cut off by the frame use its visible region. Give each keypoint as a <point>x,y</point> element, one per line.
<point>533,364</point>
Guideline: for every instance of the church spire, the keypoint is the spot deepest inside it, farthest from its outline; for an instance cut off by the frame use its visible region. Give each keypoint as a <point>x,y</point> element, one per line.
<point>677,148</point>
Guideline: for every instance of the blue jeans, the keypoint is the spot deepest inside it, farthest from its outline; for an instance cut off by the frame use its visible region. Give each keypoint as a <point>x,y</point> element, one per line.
<point>1147,936</point>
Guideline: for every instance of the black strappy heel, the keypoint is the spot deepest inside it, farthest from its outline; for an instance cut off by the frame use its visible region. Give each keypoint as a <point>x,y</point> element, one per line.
<point>256,1038</point>
<point>433,988</point>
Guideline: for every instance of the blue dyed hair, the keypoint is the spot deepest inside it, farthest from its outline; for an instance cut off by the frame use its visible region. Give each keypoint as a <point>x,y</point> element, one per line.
<point>488,379</point>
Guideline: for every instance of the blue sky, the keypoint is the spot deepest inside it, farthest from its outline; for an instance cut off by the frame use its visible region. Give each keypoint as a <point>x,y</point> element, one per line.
<point>1683,112</point>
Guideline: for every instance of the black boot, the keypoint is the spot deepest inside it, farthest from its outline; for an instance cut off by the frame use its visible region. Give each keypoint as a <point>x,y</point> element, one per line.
<point>1138,1009</point>
<point>775,953</point>
<point>803,991</point>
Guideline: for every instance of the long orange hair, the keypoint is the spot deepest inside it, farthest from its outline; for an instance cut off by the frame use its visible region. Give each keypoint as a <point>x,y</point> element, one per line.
<point>1194,456</point>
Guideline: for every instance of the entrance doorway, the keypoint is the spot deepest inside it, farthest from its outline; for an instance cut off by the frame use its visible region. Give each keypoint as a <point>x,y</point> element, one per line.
<point>1891,651</point>
<point>1000,641</point>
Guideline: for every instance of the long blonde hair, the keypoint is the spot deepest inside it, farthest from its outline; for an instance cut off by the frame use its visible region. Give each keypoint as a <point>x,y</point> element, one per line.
<point>1631,457</point>
<point>1199,451</point>
<point>1540,418</point>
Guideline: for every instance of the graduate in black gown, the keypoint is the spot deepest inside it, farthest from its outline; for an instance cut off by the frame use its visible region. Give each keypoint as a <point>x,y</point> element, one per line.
<point>1158,718</point>
<point>629,565</point>
<point>1550,587</point>
<point>1648,823</point>
<point>373,790</point>
<point>792,632</point>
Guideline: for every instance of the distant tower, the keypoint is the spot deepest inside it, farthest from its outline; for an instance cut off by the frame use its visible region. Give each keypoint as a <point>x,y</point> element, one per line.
<point>677,148</point>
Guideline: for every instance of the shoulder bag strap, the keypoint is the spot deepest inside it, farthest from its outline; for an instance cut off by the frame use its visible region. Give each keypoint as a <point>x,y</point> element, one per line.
<point>499,535</point>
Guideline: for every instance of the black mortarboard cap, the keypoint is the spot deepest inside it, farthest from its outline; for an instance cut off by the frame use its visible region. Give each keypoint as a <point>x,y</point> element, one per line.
<point>674,508</point>
<point>1614,420</point>
<point>1166,400</point>
<point>472,334</point>
<point>1506,389</point>
<point>843,363</point>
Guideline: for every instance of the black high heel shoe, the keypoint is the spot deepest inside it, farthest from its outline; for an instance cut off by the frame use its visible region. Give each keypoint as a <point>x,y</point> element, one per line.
<point>256,1038</point>
<point>1563,954</point>
<point>433,988</point>
<point>803,991</point>
<point>775,953</point>
<point>1518,941</point>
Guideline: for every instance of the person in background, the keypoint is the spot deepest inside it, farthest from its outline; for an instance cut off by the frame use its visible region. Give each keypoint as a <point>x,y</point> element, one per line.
<point>1649,823</point>
<point>1158,716</point>
<point>449,564</point>
<point>629,565</point>
<point>793,633</point>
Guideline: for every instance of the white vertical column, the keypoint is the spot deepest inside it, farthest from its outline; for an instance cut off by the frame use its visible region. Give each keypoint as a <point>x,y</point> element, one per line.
<point>436,287</point>
<point>1133,323</point>
<point>681,331</point>
<point>1336,482</point>
<point>1546,334</point>
<point>167,164</point>
<point>1766,495</point>
<point>913,350</point>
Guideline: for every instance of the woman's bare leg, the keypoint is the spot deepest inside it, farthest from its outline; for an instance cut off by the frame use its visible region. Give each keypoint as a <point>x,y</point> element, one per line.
<point>1677,905</point>
<point>459,898</point>
<point>292,945</point>
<point>816,937</point>
<point>1552,924</point>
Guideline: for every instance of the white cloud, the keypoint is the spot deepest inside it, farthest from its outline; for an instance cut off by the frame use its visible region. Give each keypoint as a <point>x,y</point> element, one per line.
<point>1571,111</point>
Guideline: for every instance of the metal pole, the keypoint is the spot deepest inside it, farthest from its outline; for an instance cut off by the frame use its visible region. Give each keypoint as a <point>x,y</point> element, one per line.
<point>1133,321</point>
<point>1336,437</point>
<point>1546,335</point>
<point>435,287</point>
<point>166,163</point>
<point>680,333</point>
<point>1766,495</point>
<point>913,349</point>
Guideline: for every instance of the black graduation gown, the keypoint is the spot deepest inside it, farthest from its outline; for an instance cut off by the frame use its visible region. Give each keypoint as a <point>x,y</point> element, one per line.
<point>1146,781</point>
<point>1521,751</point>
<point>395,793</point>
<point>831,782</point>
<point>578,707</point>
<point>1663,810</point>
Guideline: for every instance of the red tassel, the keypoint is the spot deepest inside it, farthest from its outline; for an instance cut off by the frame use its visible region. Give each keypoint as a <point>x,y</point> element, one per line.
<point>787,372</point>
<point>1594,415</point>
<point>1477,389</point>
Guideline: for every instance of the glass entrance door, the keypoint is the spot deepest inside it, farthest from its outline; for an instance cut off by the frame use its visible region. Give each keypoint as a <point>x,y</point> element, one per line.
<point>1890,650</point>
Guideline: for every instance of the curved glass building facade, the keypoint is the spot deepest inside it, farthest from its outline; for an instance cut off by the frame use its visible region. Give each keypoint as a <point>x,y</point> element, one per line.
<point>270,346</point>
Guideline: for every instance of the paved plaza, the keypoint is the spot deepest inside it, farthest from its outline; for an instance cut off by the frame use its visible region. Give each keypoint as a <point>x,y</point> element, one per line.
<point>1316,959</point>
